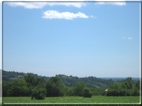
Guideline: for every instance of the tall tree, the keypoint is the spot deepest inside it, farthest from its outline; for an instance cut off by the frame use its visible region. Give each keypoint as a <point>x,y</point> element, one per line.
<point>128,83</point>
<point>7,88</point>
<point>54,87</point>
<point>137,85</point>
<point>20,87</point>
<point>78,90</point>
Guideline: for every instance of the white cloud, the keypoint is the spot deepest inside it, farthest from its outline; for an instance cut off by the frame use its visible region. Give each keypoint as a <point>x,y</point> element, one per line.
<point>39,5</point>
<point>127,38</point>
<point>130,38</point>
<point>28,5</point>
<point>74,4</point>
<point>53,14</point>
<point>111,2</point>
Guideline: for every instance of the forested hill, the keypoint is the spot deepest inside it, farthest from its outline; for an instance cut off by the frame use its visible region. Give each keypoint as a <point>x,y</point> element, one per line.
<point>89,81</point>
<point>67,80</point>
<point>11,75</point>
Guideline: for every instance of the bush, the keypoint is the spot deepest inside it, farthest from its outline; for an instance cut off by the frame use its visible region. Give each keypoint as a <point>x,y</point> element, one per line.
<point>87,92</point>
<point>54,87</point>
<point>122,92</point>
<point>113,92</point>
<point>38,93</point>
<point>78,89</point>
<point>70,91</point>
<point>135,92</point>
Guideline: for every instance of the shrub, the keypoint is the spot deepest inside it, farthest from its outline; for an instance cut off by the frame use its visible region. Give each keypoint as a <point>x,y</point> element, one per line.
<point>135,92</point>
<point>87,92</point>
<point>38,93</point>
<point>70,91</point>
<point>78,89</point>
<point>54,87</point>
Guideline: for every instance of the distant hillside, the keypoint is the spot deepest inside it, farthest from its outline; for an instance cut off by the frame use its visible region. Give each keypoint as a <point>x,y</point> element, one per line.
<point>67,80</point>
<point>90,81</point>
<point>11,75</point>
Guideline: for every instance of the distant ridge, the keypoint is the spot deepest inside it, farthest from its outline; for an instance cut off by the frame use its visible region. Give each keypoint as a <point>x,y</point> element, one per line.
<point>67,80</point>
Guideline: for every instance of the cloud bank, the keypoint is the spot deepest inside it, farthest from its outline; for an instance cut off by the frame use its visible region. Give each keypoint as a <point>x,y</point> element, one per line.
<point>111,2</point>
<point>53,14</point>
<point>39,5</point>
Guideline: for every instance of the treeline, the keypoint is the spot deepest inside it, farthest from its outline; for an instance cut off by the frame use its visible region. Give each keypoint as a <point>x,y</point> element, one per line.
<point>70,81</point>
<point>125,88</point>
<point>39,88</point>
<point>90,81</point>
<point>11,75</point>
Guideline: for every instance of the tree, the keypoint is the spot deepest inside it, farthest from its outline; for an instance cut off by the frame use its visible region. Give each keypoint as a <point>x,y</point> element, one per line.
<point>122,85</point>
<point>70,91</point>
<point>38,92</point>
<point>7,88</point>
<point>87,92</point>
<point>54,87</point>
<point>135,92</point>
<point>128,83</point>
<point>34,82</point>
<point>30,79</point>
<point>20,87</point>
<point>125,88</point>
<point>113,86</point>
<point>78,90</point>
<point>137,85</point>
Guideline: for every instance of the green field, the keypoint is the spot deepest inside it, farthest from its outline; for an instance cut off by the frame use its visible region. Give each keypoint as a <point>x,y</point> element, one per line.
<point>73,99</point>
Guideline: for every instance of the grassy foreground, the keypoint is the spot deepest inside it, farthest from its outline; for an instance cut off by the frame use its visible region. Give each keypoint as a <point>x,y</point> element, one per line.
<point>74,99</point>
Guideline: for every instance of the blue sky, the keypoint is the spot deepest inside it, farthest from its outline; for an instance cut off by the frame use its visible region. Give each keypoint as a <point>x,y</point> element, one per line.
<point>80,38</point>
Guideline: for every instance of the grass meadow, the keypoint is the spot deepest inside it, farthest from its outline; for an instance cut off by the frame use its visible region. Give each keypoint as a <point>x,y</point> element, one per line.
<point>74,99</point>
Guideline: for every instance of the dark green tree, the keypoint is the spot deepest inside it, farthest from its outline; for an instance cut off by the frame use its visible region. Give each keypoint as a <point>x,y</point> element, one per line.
<point>87,92</point>
<point>70,91</point>
<point>137,85</point>
<point>78,90</point>
<point>54,87</point>
<point>128,83</point>
<point>113,86</point>
<point>19,87</point>
<point>38,92</point>
<point>30,79</point>
<point>7,88</point>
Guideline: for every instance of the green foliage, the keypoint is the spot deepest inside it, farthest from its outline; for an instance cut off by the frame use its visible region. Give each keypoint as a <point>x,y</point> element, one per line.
<point>128,83</point>
<point>97,91</point>
<point>89,81</point>
<point>78,90</point>
<point>70,91</point>
<point>54,87</point>
<point>10,75</point>
<point>125,88</point>
<point>21,84</point>
<point>30,79</point>
<point>7,88</point>
<point>19,87</point>
<point>137,85</point>
<point>113,92</point>
<point>38,92</point>
<point>135,91</point>
<point>87,92</point>
<point>113,86</point>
